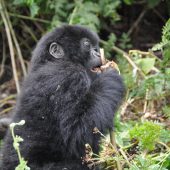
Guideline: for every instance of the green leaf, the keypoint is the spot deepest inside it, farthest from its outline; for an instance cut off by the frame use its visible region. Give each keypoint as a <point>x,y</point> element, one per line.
<point>125,41</point>
<point>22,165</point>
<point>165,37</point>
<point>19,2</point>
<point>108,9</point>
<point>147,134</point>
<point>34,8</point>
<point>30,2</point>
<point>166,57</point>
<point>86,15</point>
<point>146,64</point>
<point>166,110</point>
<point>158,46</point>
<point>154,167</point>
<point>128,2</point>
<point>109,44</point>
<point>165,136</point>
<point>153,3</point>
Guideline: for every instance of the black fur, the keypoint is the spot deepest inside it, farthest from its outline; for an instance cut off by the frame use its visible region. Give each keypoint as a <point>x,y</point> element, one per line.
<point>62,101</point>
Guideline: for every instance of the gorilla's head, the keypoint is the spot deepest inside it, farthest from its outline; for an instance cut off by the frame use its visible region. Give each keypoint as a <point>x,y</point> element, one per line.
<point>72,43</point>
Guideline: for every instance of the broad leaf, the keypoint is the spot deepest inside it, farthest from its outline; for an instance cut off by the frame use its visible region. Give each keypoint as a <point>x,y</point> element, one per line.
<point>146,64</point>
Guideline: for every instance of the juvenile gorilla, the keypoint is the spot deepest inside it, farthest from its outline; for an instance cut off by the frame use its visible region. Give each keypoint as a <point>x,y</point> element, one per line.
<point>62,100</point>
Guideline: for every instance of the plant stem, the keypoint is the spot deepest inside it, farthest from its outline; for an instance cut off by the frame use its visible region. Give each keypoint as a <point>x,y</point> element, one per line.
<point>29,18</point>
<point>7,98</point>
<point>3,56</point>
<point>15,41</point>
<point>72,15</point>
<point>17,149</point>
<point>127,57</point>
<point>113,142</point>
<point>29,31</point>
<point>11,47</point>
<point>137,22</point>
<point>6,110</point>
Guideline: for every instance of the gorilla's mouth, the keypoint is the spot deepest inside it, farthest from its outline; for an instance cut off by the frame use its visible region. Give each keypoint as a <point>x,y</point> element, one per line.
<point>95,69</point>
<point>93,63</point>
<point>99,62</point>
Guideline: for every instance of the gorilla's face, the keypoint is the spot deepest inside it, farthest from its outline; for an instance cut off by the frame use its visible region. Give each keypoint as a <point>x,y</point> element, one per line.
<point>77,44</point>
<point>72,43</point>
<point>91,52</point>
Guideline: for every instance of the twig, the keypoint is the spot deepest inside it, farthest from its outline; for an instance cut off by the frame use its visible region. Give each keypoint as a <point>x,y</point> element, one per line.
<point>39,27</point>
<point>127,57</point>
<point>146,53</point>
<point>137,22</point>
<point>113,142</point>
<point>163,144</point>
<point>125,157</point>
<point>159,15</point>
<point>15,41</point>
<point>146,101</point>
<point>7,98</point>
<point>24,43</point>
<point>29,18</point>
<point>3,57</point>
<point>93,164</point>
<point>7,102</point>
<point>72,15</point>
<point>29,31</point>
<point>10,46</point>
<point>163,160</point>
<point>77,3</point>
<point>6,110</point>
<point>125,105</point>
<point>124,154</point>
<point>142,53</point>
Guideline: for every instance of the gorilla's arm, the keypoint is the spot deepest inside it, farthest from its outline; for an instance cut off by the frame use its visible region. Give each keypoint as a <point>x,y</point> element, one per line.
<point>94,105</point>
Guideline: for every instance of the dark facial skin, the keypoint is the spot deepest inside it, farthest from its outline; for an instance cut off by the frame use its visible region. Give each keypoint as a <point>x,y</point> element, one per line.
<point>93,53</point>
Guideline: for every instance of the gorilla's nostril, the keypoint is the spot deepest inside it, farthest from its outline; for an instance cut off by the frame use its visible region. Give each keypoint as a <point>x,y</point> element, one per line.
<point>98,54</point>
<point>95,53</point>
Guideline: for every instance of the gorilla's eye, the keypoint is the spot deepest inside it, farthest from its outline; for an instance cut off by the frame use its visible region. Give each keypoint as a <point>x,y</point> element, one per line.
<point>86,43</point>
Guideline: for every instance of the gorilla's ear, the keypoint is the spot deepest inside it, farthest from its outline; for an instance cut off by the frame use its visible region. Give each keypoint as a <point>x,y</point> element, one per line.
<point>56,50</point>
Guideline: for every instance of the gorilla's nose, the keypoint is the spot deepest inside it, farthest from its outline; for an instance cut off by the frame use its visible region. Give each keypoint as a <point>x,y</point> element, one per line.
<point>95,53</point>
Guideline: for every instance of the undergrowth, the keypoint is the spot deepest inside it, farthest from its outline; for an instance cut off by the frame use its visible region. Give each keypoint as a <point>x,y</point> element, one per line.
<point>145,144</point>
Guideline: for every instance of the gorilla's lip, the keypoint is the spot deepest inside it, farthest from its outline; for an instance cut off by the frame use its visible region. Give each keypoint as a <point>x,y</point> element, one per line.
<point>96,67</point>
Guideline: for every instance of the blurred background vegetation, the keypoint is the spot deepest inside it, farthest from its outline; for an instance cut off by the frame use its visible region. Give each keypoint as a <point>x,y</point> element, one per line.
<point>136,35</point>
